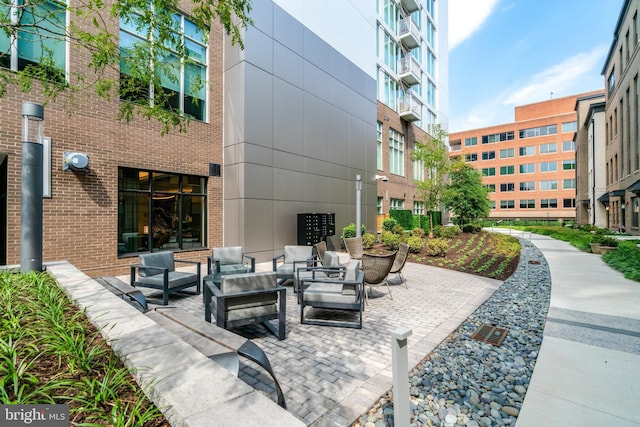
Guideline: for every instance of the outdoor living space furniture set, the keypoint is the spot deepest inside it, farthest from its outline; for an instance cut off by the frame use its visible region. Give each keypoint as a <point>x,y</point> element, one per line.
<point>235,295</point>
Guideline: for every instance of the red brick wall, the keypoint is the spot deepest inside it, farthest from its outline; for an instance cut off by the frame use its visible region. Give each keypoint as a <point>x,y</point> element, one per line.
<point>80,220</point>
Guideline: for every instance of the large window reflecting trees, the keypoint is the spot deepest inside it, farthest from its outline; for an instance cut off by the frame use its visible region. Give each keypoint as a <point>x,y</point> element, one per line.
<point>159,211</point>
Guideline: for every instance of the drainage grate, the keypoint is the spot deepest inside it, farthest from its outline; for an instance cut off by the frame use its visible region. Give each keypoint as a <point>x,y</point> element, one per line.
<point>491,334</point>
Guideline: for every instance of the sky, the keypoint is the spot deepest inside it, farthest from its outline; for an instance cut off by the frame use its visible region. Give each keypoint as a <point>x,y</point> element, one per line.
<point>505,53</point>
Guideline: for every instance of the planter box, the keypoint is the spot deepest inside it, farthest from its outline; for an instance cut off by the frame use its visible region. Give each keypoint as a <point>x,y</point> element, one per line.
<point>605,249</point>
<point>595,248</point>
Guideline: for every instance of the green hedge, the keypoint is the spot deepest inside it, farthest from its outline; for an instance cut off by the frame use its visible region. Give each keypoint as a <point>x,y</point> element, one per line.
<point>404,217</point>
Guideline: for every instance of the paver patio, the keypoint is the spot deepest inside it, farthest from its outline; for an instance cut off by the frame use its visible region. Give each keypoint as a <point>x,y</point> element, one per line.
<point>332,375</point>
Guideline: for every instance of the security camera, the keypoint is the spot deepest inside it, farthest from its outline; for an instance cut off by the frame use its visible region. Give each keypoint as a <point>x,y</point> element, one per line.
<point>383,178</point>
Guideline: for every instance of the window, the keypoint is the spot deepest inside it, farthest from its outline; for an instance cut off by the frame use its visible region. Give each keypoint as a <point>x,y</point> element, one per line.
<point>568,203</point>
<point>507,153</point>
<point>418,208</point>
<point>528,168</point>
<point>182,81</point>
<point>539,131</point>
<point>388,50</point>
<point>491,188</point>
<point>160,211</point>
<point>498,137</point>
<point>568,146</point>
<point>488,171</point>
<point>379,147</point>
<point>387,89</point>
<point>468,142</point>
<point>388,10</point>
<point>568,165</point>
<point>471,157</point>
<point>611,81</point>
<point>548,148</point>
<point>527,151</point>
<point>507,170</point>
<point>527,204</point>
<point>507,204</point>
<point>509,186</point>
<point>488,155</point>
<point>379,206</point>
<point>568,184</point>
<point>396,204</point>
<point>548,166</point>
<point>548,203</point>
<point>418,170</point>
<point>40,39</point>
<point>396,152</point>
<point>635,205</point>
<point>569,127</point>
<point>492,204</point>
<point>528,186</point>
<point>551,184</point>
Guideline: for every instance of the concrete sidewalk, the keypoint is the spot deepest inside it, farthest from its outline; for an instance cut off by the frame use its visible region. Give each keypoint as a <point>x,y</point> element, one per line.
<point>588,369</point>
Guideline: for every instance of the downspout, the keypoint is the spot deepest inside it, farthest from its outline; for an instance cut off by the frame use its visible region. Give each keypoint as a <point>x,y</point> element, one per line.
<point>593,172</point>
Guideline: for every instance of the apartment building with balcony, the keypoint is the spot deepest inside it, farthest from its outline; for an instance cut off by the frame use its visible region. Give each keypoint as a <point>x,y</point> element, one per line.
<point>529,165</point>
<point>411,94</point>
<point>622,123</point>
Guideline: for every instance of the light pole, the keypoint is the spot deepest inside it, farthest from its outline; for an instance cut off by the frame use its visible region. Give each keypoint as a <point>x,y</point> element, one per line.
<point>31,197</point>
<point>358,205</point>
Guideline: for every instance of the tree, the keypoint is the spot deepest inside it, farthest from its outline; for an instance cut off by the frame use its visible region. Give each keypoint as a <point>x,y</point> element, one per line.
<point>465,194</point>
<point>434,156</point>
<point>140,73</point>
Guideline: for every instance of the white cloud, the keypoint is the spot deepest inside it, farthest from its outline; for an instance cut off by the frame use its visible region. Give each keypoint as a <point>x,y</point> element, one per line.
<point>561,79</point>
<point>466,17</point>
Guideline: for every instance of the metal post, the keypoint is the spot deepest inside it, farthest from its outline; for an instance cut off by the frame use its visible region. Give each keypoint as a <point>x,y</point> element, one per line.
<point>31,189</point>
<point>400,370</point>
<point>358,205</point>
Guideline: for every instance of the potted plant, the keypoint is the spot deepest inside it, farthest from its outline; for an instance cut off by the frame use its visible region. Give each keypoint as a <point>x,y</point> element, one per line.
<point>602,243</point>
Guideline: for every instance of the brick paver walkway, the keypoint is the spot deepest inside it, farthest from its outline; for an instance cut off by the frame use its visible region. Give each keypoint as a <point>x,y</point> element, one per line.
<point>331,375</point>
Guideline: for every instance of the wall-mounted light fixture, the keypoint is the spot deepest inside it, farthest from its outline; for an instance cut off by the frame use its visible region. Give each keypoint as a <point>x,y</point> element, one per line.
<point>75,162</point>
<point>383,178</point>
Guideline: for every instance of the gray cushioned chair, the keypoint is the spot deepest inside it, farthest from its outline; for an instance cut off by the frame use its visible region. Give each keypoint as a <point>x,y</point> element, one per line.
<point>158,270</point>
<point>285,265</point>
<point>230,259</point>
<point>328,266</point>
<point>342,292</point>
<point>246,299</point>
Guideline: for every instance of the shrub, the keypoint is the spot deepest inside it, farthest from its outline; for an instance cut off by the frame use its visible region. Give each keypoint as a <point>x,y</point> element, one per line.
<point>437,247</point>
<point>391,240</point>
<point>388,224</point>
<point>415,244</point>
<point>606,241</point>
<point>417,231</point>
<point>450,232</point>
<point>472,228</point>
<point>398,229</point>
<point>350,231</point>
<point>368,239</point>
<point>437,230</point>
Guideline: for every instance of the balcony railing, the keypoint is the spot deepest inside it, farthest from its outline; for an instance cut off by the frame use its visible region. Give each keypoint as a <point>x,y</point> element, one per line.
<point>410,5</point>
<point>409,108</point>
<point>409,70</point>
<point>409,33</point>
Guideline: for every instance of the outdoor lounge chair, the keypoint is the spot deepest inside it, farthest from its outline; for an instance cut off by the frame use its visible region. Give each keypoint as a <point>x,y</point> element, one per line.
<point>376,270</point>
<point>158,270</point>
<point>230,259</point>
<point>354,247</point>
<point>344,292</point>
<point>247,299</point>
<point>399,262</point>
<point>285,265</point>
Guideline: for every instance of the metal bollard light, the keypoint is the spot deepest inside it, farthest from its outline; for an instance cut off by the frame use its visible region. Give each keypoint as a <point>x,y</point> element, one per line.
<point>400,369</point>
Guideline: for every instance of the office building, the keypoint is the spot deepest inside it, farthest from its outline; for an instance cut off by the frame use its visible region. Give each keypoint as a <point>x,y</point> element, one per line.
<point>622,124</point>
<point>529,165</point>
